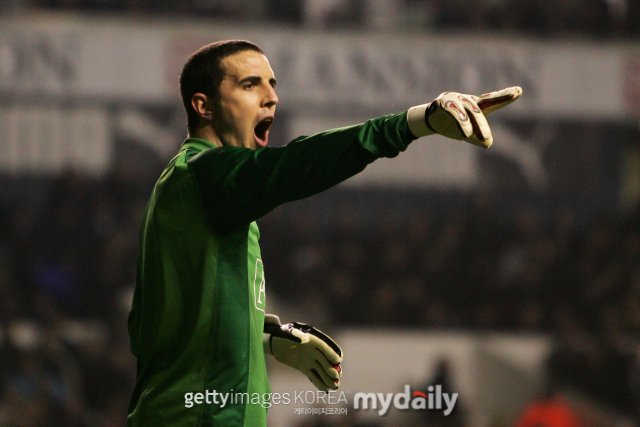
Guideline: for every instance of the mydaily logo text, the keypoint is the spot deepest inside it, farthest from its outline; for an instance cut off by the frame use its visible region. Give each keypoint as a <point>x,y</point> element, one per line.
<point>433,399</point>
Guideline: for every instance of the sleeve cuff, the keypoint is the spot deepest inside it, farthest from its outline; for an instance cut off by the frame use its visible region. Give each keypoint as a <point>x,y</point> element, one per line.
<point>416,121</point>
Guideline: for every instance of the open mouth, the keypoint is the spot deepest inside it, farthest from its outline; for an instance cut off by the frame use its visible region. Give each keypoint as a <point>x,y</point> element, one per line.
<point>261,131</point>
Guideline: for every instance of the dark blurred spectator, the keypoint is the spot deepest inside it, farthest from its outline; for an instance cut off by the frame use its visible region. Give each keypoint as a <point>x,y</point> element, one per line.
<point>442,376</point>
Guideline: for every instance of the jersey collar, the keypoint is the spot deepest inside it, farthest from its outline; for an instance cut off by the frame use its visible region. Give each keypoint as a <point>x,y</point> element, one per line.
<point>197,143</point>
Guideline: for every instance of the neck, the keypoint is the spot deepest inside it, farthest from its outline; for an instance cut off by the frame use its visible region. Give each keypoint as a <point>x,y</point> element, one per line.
<point>206,133</point>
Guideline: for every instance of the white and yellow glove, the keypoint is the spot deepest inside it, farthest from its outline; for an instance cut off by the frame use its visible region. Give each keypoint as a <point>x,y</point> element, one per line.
<point>460,116</point>
<point>306,349</point>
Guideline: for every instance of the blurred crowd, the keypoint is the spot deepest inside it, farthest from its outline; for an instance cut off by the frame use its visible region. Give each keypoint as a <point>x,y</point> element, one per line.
<point>68,245</point>
<point>66,271</point>
<point>595,18</point>
<point>468,266</point>
<point>67,266</point>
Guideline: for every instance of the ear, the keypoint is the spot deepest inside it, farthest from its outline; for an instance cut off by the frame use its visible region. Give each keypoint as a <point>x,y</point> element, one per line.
<point>202,105</point>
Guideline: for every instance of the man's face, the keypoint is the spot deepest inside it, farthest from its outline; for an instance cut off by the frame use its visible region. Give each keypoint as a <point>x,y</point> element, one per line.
<point>247,102</point>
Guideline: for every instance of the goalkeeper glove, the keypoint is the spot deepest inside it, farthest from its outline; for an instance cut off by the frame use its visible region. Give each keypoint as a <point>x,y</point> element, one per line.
<point>459,116</point>
<point>306,349</point>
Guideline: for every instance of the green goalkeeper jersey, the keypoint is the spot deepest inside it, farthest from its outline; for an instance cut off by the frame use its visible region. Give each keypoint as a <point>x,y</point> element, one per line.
<point>196,323</point>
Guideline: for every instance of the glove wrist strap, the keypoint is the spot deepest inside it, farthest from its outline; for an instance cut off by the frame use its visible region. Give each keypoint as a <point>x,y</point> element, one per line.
<point>417,121</point>
<point>271,326</point>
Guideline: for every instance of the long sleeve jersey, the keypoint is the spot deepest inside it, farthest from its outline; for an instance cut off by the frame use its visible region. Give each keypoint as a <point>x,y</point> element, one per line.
<point>196,322</point>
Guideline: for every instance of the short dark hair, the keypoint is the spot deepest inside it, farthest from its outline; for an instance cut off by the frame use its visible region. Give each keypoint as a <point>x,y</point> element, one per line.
<point>202,73</point>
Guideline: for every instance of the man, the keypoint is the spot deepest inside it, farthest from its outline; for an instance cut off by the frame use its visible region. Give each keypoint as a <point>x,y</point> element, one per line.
<point>198,315</point>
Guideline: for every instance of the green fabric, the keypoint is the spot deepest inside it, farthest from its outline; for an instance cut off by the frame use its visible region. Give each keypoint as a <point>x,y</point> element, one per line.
<point>198,310</point>
<point>256,181</point>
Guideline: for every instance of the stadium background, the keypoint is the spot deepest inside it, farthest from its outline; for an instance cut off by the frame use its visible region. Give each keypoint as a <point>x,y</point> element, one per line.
<point>500,273</point>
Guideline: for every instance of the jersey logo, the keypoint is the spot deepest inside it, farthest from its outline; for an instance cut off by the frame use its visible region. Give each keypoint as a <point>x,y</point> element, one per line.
<point>259,288</point>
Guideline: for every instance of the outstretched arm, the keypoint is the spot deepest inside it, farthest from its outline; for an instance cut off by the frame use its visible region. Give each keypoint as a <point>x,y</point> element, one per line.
<point>239,185</point>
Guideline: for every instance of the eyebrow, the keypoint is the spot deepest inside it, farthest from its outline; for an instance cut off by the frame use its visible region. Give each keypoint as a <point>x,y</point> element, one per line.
<point>258,79</point>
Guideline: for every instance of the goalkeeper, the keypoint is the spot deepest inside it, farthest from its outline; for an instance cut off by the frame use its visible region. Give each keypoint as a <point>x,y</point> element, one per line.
<point>198,324</point>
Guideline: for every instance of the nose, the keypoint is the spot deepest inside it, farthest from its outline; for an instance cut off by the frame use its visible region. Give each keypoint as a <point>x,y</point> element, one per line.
<point>270,99</point>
